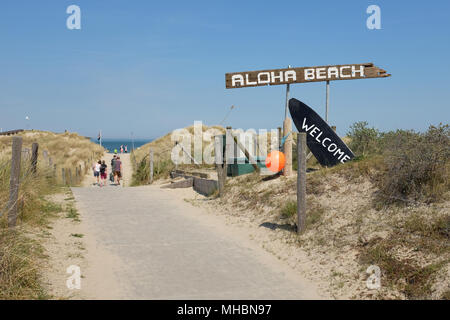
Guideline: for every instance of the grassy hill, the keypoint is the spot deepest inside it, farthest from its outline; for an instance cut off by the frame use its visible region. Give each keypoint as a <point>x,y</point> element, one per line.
<point>66,149</point>
<point>162,148</point>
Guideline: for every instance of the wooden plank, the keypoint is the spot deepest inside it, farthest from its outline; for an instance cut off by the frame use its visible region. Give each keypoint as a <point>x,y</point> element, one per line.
<point>186,183</point>
<point>204,186</point>
<point>303,75</point>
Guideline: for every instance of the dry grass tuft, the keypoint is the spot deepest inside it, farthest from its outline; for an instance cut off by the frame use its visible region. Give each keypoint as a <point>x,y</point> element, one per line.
<point>19,267</point>
<point>21,253</point>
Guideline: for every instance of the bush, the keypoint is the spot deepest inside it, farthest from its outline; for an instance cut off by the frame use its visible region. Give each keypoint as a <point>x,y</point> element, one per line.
<point>417,165</point>
<point>161,169</point>
<point>364,140</point>
<point>289,209</point>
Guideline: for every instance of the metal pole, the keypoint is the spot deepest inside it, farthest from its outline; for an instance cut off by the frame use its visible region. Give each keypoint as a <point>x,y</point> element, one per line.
<point>287,148</point>
<point>287,99</point>
<point>327,102</point>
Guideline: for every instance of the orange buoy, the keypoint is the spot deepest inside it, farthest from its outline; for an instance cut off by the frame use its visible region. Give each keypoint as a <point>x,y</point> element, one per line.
<point>275,161</point>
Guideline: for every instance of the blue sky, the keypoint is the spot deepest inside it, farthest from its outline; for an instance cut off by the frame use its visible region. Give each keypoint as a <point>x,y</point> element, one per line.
<point>152,66</point>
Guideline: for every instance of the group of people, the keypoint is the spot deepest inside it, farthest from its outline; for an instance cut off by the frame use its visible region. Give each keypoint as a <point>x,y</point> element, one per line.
<point>101,171</point>
<point>122,149</point>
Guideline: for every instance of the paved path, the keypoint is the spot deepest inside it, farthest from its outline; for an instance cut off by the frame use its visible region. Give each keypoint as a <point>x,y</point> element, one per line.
<point>169,249</point>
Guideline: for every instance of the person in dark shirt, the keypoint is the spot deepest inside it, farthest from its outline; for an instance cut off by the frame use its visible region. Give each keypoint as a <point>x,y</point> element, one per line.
<point>111,175</point>
<point>103,173</point>
<point>117,169</point>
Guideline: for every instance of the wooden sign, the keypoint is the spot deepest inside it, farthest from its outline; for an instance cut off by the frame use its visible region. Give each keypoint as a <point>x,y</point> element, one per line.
<point>303,75</point>
<point>321,139</point>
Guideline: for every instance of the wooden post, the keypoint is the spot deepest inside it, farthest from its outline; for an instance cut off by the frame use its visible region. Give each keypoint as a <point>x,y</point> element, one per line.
<point>63,175</point>
<point>301,182</point>
<point>14,181</point>
<point>70,177</point>
<point>220,163</point>
<point>287,125</point>
<point>151,166</point>
<point>34,157</point>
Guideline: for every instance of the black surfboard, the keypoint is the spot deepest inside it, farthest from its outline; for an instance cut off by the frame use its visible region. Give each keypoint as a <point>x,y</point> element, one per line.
<point>321,139</point>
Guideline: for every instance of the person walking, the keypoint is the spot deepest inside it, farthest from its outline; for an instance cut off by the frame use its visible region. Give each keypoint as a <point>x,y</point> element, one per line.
<point>118,170</point>
<point>97,171</point>
<point>121,148</point>
<point>111,175</point>
<point>103,173</point>
<point>126,149</point>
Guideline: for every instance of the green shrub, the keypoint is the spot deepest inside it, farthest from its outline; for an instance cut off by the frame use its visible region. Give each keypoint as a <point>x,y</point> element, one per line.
<point>161,169</point>
<point>364,140</point>
<point>417,165</point>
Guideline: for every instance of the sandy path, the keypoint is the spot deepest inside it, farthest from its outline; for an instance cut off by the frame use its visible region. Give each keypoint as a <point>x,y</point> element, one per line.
<point>146,243</point>
<point>127,170</point>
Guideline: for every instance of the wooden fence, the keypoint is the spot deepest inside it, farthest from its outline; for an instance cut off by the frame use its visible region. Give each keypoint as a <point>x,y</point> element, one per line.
<point>68,177</point>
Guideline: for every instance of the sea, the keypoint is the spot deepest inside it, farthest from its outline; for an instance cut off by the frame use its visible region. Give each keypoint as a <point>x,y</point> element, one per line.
<point>111,144</point>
